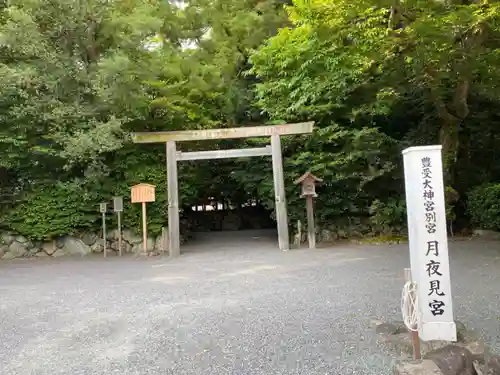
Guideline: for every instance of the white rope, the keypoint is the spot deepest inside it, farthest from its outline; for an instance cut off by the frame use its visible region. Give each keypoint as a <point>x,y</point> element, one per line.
<point>409,306</point>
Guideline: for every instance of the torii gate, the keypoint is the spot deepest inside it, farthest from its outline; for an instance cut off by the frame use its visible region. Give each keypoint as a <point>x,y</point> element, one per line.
<point>173,156</point>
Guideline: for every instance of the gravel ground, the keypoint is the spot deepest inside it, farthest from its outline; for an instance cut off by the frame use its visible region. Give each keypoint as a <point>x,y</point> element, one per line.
<point>232,306</point>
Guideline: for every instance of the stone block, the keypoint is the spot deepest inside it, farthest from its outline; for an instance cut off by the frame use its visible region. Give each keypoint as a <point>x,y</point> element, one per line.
<point>453,360</point>
<point>98,246</point>
<point>327,235</point>
<point>21,239</point>
<point>7,238</point>
<point>341,233</point>
<point>112,234</point>
<point>8,256</point>
<point>422,367</point>
<point>131,237</point>
<point>49,247</point>
<point>60,242</point>
<point>127,248</point>
<point>467,335</point>
<point>75,246</point>
<point>137,248</point>
<point>160,246</point>
<point>401,343</point>
<point>489,365</point>
<point>487,234</point>
<point>89,238</point>
<point>32,252</point>
<point>17,249</point>
<point>59,253</point>
<point>476,347</point>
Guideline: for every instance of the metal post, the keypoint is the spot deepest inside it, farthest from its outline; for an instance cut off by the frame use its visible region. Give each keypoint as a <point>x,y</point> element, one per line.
<point>102,208</point>
<point>104,233</point>
<point>118,208</point>
<point>119,233</point>
<point>279,191</point>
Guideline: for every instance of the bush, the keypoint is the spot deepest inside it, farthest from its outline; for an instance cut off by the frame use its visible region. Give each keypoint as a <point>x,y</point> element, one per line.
<point>65,208</point>
<point>388,217</point>
<point>483,205</point>
<point>451,197</point>
<point>53,210</point>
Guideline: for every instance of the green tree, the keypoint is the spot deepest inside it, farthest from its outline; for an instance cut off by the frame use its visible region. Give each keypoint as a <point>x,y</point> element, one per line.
<point>76,78</point>
<point>362,57</point>
<point>71,76</point>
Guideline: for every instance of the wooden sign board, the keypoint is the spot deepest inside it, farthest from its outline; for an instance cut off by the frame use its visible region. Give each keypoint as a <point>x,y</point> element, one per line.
<point>228,133</point>
<point>143,193</point>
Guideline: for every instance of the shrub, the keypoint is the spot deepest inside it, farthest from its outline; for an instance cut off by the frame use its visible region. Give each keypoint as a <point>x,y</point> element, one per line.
<point>451,197</point>
<point>388,217</point>
<point>53,210</point>
<point>483,205</point>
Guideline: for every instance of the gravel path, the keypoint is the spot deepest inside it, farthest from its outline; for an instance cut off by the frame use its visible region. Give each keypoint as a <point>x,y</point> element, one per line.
<point>233,306</point>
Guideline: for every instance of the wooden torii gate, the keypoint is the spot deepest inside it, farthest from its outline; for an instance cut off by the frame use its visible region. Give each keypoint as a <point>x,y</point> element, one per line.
<point>173,156</point>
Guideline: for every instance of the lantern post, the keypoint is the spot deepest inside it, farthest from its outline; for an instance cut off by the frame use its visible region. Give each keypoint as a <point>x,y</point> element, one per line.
<point>308,182</point>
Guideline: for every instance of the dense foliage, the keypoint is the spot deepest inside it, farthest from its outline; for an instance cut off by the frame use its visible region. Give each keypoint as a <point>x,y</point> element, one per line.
<point>484,206</point>
<point>376,76</point>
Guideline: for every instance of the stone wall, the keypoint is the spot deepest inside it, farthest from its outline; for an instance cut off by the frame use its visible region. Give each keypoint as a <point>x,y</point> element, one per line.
<point>15,246</point>
<point>361,234</point>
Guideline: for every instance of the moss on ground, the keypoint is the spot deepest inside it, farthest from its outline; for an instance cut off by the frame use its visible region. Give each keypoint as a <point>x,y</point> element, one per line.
<point>384,239</point>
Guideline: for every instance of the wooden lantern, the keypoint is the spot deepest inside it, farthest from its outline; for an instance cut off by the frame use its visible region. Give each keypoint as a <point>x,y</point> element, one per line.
<point>308,181</point>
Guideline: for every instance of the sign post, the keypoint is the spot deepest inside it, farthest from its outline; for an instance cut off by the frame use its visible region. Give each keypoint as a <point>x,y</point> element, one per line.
<point>143,193</point>
<point>118,208</point>
<point>428,241</point>
<point>102,208</point>
<point>308,181</point>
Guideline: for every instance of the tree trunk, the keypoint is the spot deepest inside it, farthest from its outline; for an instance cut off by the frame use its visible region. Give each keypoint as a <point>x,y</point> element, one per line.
<point>449,139</point>
<point>451,117</point>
